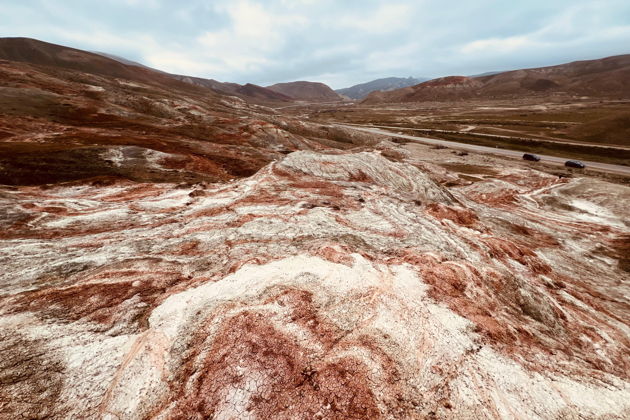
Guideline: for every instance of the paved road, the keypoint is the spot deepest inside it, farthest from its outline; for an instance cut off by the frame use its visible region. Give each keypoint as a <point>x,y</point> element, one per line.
<point>605,167</point>
<point>304,103</point>
<point>496,136</point>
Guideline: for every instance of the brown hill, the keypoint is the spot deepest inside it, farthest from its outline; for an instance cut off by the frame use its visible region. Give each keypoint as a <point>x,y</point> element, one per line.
<point>259,92</point>
<point>46,54</point>
<point>41,53</point>
<point>249,91</point>
<point>307,91</point>
<point>70,115</point>
<point>606,78</point>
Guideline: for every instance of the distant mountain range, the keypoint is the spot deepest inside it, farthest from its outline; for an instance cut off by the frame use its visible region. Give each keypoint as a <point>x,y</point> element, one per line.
<point>603,78</point>
<point>362,90</point>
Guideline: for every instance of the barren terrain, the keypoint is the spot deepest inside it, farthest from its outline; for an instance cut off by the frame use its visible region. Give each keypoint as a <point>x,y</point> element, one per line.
<point>173,252</point>
<point>588,129</point>
<point>605,78</point>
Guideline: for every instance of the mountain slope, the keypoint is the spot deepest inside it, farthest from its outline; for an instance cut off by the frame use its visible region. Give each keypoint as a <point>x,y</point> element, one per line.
<point>306,91</point>
<point>607,78</point>
<point>42,53</point>
<point>124,60</point>
<point>249,91</point>
<point>70,115</point>
<point>360,91</point>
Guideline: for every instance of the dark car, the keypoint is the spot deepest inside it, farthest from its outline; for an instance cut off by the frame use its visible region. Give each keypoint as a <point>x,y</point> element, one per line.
<point>532,157</point>
<point>574,164</point>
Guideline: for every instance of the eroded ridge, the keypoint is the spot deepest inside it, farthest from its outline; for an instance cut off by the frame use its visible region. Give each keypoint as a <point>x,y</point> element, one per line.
<point>341,285</point>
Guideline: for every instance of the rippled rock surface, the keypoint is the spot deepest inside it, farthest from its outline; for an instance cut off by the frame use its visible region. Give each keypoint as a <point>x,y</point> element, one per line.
<point>339,285</point>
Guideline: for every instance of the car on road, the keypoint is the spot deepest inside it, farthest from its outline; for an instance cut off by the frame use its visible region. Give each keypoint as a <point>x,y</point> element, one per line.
<point>574,164</point>
<point>531,156</point>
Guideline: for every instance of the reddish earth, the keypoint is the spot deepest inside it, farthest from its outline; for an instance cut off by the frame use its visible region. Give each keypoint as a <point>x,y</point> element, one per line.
<point>41,53</point>
<point>133,125</point>
<point>604,78</point>
<point>260,298</point>
<point>177,253</point>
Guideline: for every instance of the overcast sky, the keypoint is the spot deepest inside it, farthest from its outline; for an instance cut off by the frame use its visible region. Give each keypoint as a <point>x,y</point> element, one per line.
<point>340,43</point>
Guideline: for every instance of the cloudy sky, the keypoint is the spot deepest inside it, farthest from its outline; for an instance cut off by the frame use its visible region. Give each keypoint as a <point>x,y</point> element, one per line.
<point>338,42</point>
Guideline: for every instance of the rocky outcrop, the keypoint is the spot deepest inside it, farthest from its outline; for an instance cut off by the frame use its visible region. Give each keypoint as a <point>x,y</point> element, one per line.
<point>327,285</point>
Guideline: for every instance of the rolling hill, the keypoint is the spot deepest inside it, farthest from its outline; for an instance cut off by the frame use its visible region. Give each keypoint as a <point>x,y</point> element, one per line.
<point>248,91</point>
<point>306,91</point>
<point>40,53</point>
<point>607,78</point>
<point>70,115</point>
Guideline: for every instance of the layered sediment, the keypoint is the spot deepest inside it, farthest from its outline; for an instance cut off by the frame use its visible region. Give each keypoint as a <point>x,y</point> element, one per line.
<point>326,285</point>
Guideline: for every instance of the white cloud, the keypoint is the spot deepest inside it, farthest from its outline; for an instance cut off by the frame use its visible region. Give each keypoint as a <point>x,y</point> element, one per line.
<point>100,39</point>
<point>344,42</point>
<point>254,34</point>
<point>180,63</point>
<point>139,3</point>
<point>388,17</point>
<point>499,45</point>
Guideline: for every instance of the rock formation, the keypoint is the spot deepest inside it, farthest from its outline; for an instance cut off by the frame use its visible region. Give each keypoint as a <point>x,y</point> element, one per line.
<point>327,285</point>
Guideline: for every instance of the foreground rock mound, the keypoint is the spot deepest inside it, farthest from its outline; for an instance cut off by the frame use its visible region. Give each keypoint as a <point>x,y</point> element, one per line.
<point>368,168</point>
<point>324,286</point>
